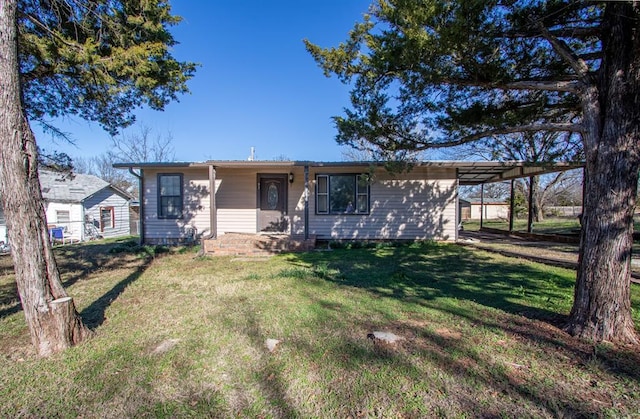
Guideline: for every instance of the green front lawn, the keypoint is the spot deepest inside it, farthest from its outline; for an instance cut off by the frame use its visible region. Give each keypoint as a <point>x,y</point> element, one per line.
<point>552,225</point>
<point>184,336</point>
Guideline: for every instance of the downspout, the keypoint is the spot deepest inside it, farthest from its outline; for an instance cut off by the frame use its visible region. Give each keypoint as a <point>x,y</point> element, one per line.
<point>140,177</point>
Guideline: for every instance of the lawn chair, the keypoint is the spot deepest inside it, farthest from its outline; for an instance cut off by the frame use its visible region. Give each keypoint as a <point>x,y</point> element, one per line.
<point>56,234</point>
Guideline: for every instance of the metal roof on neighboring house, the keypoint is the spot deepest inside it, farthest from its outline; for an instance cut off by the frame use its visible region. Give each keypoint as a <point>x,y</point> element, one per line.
<point>67,187</point>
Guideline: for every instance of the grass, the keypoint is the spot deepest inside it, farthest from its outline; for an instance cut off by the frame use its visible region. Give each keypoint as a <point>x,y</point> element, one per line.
<point>550,225</point>
<point>179,335</point>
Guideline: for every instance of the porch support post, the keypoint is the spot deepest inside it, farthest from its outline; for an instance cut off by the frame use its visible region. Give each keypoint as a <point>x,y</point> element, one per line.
<point>306,202</point>
<point>530,217</point>
<point>481,205</point>
<point>512,206</point>
<point>213,210</point>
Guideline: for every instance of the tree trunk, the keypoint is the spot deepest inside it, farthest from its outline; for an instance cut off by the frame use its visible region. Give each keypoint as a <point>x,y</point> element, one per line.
<point>602,305</point>
<point>536,203</point>
<point>51,316</point>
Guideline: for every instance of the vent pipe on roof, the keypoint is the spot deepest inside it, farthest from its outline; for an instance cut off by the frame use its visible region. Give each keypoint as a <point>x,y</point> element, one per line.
<point>252,156</point>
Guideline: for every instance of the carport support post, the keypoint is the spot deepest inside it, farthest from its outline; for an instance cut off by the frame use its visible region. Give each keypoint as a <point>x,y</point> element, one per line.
<point>530,216</point>
<point>512,206</point>
<point>481,204</point>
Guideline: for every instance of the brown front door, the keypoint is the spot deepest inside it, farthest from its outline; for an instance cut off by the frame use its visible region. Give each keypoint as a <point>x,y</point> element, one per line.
<point>272,198</point>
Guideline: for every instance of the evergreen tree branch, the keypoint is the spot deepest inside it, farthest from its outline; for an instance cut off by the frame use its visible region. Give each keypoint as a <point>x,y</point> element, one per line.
<point>577,64</point>
<point>553,127</point>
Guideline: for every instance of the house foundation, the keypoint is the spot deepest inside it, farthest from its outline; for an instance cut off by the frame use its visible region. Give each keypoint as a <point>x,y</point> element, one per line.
<point>246,244</point>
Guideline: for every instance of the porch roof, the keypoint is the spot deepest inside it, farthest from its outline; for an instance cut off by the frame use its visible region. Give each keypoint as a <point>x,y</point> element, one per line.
<point>468,172</point>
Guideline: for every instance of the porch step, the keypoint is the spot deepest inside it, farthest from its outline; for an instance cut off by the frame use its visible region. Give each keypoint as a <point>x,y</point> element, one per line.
<point>243,244</point>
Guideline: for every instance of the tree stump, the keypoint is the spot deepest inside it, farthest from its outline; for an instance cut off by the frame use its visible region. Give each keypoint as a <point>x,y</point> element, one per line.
<point>63,327</point>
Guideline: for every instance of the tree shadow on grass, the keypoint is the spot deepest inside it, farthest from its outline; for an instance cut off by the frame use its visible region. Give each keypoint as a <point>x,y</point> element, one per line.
<point>93,316</point>
<point>471,373</point>
<point>436,276</point>
<point>424,272</point>
<point>269,374</point>
<point>9,299</point>
<point>76,263</point>
<point>446,374</point>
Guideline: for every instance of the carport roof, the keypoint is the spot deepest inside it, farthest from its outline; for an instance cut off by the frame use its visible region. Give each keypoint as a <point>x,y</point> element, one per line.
<point>469,172</point>
<point>476,173</point>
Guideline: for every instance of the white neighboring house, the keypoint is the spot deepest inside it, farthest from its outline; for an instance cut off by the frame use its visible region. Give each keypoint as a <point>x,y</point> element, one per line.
<point>84,206</point>
<point>3,227</point>
<point>491,209</point>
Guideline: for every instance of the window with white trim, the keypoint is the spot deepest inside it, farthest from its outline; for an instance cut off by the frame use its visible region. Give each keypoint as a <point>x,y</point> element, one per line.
<point>342,194</point>
<point>62,217</point>
<point>170,195</point>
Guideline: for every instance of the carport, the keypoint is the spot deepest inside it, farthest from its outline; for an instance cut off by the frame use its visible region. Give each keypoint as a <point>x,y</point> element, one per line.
<point>475,173</point>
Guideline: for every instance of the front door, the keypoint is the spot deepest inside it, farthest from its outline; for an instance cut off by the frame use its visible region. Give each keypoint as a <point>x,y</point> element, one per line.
<point>272,198</point>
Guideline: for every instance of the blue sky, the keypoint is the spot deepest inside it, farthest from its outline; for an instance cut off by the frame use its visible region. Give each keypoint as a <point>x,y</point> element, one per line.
<point>257,85</point>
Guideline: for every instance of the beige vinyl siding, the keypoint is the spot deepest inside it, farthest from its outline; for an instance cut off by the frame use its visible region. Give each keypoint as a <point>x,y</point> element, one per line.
<point>236,193</point>
<point>196,204</point>
<point>419,205</point>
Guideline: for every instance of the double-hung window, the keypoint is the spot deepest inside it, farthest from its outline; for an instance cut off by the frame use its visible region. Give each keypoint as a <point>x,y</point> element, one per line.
<point>342,194</point>
<point>62,217</point>
<point>170,195</point>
